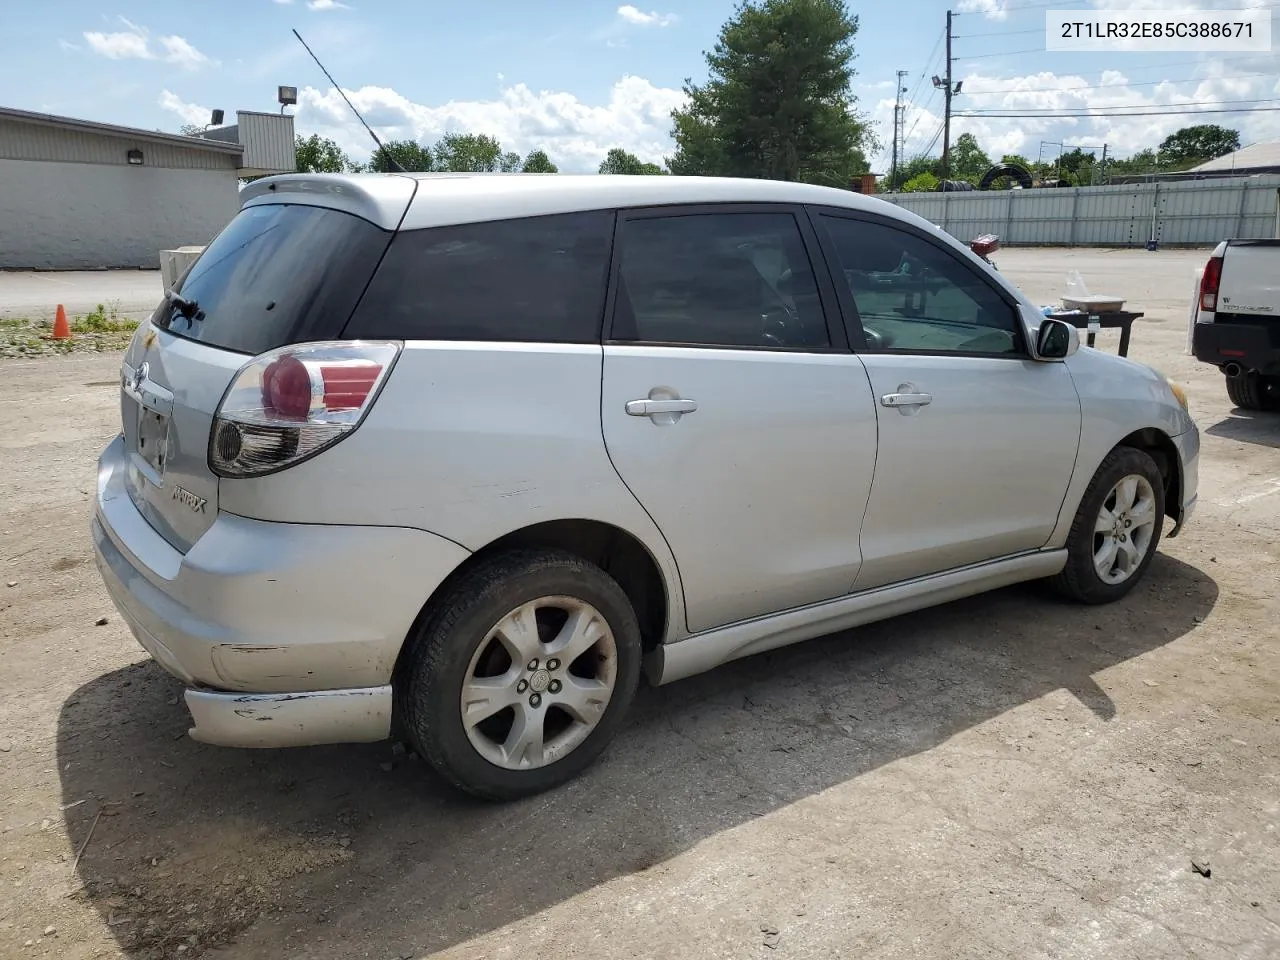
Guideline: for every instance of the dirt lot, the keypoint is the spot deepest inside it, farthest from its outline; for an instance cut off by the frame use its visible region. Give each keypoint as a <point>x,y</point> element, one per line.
<point>1007,776</point>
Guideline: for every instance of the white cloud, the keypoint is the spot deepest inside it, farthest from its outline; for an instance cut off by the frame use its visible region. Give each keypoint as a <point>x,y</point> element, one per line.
<point>135,44</point>
<point>188,112</point>
<point>119,46</point>
<point>67,45</point>
<point>636,16</point>
<point>576,134</point>
<point>990,9</point>
<point>1217,81</point>
<point>177,50</point>
<point>326,5</point>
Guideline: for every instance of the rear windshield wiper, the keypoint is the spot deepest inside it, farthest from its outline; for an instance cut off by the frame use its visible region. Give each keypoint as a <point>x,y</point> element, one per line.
<point>187,308</point>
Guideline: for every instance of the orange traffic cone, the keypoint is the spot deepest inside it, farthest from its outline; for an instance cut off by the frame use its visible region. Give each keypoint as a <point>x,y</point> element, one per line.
<point>61,329</point>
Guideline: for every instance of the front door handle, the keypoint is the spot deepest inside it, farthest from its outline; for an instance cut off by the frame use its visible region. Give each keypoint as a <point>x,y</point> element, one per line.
<point>906,399</point>
<point>649,408</point>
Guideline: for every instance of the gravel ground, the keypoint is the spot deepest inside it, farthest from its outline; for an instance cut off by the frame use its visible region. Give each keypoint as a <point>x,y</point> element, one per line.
<point>1007,776</point>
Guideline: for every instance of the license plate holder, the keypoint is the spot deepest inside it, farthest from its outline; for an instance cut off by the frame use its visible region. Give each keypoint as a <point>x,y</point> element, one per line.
<point>153,439</point>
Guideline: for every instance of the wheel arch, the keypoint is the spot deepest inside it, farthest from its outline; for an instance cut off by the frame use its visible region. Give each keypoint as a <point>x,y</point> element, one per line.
<point>1160,447</point>
<point>1152,440</point>
<point>619,553</point>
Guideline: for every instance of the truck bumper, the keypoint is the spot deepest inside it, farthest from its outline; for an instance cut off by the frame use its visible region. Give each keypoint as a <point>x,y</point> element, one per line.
<point>1254,346</point>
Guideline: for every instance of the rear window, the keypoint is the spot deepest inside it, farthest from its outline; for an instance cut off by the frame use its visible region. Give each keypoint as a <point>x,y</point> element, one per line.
<point>532,279</point>
<point>278,274</point>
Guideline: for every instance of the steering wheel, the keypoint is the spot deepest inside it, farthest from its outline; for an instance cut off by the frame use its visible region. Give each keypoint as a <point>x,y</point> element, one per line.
<point>776,323</point>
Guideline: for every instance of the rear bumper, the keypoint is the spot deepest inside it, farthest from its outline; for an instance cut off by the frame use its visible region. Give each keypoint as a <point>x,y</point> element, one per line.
<point>306,619</point>
<point>1254,346</point>
<point>290,719</point>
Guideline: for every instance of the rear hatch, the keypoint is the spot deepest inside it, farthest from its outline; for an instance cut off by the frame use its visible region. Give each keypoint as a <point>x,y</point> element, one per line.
<point>279,274</point>
<point>1250,284</point>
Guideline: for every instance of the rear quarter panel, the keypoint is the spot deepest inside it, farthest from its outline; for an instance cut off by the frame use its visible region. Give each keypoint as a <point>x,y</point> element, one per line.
<point>1117,397</point>
<point>469,441</point>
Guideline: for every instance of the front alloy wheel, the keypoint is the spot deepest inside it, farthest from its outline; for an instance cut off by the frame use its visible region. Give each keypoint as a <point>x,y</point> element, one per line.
<point>1116,528</point>
<point>1125,526</point>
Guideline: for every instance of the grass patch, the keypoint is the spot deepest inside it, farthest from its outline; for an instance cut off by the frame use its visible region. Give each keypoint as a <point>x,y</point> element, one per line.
<point>102,330</point>
<point>102,320</point>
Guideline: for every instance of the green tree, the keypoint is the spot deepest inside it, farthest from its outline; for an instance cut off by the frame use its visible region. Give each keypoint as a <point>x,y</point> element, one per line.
<point>317,154</point>
<point>619,161</point>
<point>538,162</point>
<point>1144,161</point>
<point>967,159</point>
<point>473,153</point>
<point>924,182</point>
<point>910,169</point>
<point>1196,144</point>
<point>411,155</point>
<point>191,129</point>
<point>777,104</point>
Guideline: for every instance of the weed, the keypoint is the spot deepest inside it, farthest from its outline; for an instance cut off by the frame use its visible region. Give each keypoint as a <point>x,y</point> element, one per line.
<point>102,320</point>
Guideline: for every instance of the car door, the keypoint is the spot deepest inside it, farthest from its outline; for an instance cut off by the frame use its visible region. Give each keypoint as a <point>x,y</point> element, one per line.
<point>733,409</point>
<point>977,440</point>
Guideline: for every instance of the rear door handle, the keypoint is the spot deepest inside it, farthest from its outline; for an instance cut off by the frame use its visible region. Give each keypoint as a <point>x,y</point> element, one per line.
<point>906,399</point>
<point>648,408</point>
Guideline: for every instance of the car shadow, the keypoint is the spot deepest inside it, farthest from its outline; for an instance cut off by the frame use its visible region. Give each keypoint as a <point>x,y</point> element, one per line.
<point>1249,426</point>
<point>312,852</point>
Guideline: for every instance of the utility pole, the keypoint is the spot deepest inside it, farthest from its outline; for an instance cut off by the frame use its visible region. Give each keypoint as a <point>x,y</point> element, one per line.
<point>949,89</point>
<point>1102,173</point>
<point>946,117</point>
<point>897,124</point>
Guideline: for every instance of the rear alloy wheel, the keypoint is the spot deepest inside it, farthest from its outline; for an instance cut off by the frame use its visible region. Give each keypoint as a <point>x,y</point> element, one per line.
<point>1116,528</point>
<point>521,675</point>
<point>1250,390</point>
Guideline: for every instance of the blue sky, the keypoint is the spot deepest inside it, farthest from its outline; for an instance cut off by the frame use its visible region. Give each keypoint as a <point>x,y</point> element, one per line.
<point>577,77</point>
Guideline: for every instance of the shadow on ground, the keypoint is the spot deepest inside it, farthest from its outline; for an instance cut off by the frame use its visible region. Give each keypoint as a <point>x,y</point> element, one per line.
<point>1249,426</point>
<point>318,850</point>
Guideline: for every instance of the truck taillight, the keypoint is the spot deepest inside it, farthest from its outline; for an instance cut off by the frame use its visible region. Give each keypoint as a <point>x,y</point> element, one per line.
<point>1209,283</point>
<point>291,403</point>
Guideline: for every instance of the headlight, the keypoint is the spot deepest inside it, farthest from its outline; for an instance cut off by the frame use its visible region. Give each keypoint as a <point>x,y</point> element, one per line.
<point>1177,390</point>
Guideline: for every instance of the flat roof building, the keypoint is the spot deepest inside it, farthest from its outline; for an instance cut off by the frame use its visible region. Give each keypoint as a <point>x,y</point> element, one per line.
<point>77,194</point>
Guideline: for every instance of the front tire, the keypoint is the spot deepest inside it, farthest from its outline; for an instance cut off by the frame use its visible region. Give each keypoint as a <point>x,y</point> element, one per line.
<point>521,674</point>
<point>1116,529</point>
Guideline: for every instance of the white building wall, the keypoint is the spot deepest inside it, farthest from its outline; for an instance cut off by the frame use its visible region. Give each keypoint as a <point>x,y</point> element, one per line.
<point>88,216</point>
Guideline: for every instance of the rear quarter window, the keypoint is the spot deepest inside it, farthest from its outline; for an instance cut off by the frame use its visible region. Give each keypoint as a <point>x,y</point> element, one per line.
<point>277,274</point>
<point>535,279</point>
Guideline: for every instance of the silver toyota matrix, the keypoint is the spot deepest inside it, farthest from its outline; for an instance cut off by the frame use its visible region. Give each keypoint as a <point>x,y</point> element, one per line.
<point>462,456</point>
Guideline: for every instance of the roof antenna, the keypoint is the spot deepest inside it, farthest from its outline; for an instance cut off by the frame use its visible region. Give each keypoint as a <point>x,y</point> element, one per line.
<point>386,154</point>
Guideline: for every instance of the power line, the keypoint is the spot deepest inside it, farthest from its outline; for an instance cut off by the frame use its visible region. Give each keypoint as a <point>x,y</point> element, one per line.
<point>1105,110</point>
<point>1102,116</point>
<point>1002,53</point>
<point>1106,86</point>
<point>997,33</point>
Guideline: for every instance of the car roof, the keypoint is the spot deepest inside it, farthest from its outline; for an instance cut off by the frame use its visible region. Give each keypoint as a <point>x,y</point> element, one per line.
<point>443,199</point>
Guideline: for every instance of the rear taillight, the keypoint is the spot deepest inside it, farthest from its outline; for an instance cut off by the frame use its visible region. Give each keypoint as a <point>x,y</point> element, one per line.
<point>1209,283</point>
<point>291,403</point>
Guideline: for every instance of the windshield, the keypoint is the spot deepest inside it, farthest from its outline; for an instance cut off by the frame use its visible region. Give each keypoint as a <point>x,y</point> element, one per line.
<point>278,274</point>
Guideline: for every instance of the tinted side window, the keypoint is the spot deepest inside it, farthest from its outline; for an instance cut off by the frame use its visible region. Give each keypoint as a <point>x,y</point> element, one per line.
<point>723,279</point>
<point>915,297</point>
<point>534,279</point>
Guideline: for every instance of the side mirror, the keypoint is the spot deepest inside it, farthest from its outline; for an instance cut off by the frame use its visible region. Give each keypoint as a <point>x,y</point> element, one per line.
<point>1056,340</point>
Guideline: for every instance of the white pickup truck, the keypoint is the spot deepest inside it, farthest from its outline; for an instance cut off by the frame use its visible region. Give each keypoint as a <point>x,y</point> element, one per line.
<point>1237,326</point>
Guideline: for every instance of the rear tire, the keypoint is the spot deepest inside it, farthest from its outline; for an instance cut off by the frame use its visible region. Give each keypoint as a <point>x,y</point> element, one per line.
<point>1116,529</point>
<point>1250,390</point>
<point>520,674</point>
